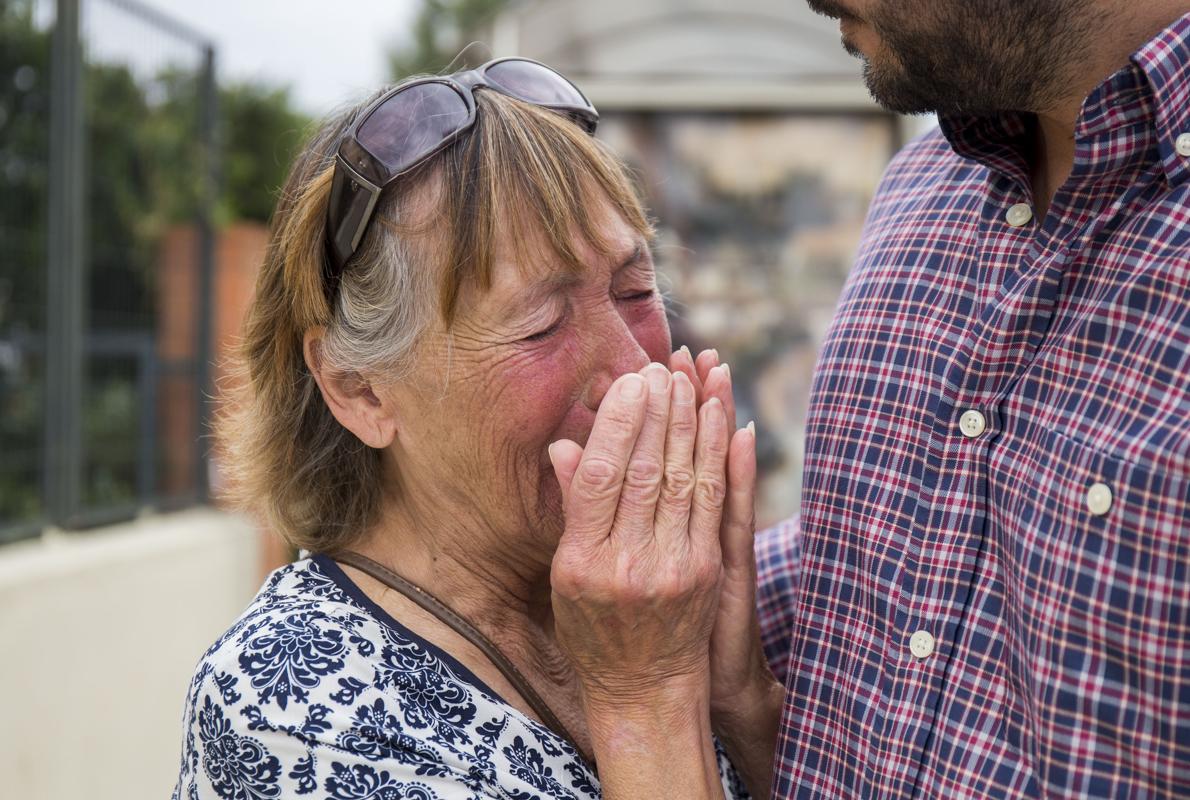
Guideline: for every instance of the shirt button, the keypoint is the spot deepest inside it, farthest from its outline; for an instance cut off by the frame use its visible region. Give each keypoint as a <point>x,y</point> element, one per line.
<point>1182,145</point>
<point>972,423</point>
<point>1099,499</point>
<point>1019,215</point>
<point>921,644</point>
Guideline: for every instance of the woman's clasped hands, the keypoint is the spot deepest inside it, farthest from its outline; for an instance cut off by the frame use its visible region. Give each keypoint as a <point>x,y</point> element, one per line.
<point>654,577</point>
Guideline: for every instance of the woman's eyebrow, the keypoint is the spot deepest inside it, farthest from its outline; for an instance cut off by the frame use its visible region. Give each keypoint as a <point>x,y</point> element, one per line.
<point>540,290</point>
<point>638,255</point>
<point>534,295</point>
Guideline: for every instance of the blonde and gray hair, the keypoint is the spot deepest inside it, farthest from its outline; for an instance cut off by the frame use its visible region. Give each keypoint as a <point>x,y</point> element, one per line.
<point>521,175</point>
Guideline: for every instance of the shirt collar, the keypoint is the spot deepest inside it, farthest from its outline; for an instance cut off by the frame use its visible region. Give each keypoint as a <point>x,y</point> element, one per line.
<point>1150,97</point>
<point>1165,64</point>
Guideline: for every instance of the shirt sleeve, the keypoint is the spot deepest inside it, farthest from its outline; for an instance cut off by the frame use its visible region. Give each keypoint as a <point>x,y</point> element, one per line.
<point>778,561</point>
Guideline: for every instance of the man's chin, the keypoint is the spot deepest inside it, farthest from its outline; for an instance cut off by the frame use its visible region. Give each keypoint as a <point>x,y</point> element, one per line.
<point>851,47</point>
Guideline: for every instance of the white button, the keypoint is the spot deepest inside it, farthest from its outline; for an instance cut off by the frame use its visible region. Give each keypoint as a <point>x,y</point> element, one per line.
<point>972,423</point>
<point>1182,145</point>
<point>921,644</point>
<point>1019,215</point>
<point>1099,499</point>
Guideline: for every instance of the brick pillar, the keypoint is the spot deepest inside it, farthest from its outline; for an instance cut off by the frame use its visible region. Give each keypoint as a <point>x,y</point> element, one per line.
<point>177,321</point>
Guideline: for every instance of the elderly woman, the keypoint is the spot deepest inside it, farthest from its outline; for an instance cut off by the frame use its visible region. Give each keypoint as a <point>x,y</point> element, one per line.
<point>458,276</point>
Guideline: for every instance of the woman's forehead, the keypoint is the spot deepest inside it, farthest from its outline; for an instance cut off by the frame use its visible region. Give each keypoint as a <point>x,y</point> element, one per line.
<point>519,286</point>
<point>531,254</point>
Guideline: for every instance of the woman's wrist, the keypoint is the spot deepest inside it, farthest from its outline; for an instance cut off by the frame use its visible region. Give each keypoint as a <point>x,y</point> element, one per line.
<point>656,742</point>
<point>757,697</point>
<point>748,730</point>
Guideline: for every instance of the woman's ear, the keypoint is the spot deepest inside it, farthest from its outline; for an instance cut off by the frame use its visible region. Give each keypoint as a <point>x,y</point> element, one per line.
<point>350,397</point>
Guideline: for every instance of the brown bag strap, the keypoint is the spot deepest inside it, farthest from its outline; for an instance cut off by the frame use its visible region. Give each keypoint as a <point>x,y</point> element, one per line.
<point>461,626</point>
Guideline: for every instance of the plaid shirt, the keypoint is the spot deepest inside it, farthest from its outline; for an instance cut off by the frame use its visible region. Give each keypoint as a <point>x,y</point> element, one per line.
<point>994,590</point>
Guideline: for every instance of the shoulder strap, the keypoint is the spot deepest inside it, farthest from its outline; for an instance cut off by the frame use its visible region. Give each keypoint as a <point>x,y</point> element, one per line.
<point>461,626</point>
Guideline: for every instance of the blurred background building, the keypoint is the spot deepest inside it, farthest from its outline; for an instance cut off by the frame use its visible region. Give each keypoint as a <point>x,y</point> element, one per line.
<point>141,147</point>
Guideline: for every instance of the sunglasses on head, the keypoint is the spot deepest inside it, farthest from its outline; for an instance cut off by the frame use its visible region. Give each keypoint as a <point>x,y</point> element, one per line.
<point>410,124</point>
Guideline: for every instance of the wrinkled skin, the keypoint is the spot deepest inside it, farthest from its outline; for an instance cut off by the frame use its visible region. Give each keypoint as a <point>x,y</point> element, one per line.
<point>476,511</point>
<point>525,364</point>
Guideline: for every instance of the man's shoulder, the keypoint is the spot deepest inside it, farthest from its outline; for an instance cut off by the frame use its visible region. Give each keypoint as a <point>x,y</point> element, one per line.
<point>926,161</point>
<point>925,183</point>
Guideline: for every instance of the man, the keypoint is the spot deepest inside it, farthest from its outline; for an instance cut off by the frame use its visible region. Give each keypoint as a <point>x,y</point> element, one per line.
<point>996,565</point>
<point>993,597</point>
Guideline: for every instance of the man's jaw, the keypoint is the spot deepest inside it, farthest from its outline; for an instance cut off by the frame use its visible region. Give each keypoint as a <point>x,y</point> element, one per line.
<point>848,22</point>
<point>832,9</point>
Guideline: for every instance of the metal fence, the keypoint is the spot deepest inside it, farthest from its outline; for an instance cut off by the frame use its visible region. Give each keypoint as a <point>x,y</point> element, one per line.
<point>108,170</point>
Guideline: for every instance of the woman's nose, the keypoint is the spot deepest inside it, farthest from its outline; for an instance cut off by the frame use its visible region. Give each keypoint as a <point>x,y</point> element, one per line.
<point>615,352</point>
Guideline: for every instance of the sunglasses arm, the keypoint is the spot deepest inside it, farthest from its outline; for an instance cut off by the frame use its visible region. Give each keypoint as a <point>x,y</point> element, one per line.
<point>357,197</point>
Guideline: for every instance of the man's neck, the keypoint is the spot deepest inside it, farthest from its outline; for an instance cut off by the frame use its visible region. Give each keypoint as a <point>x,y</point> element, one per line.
<point>1131,25</point>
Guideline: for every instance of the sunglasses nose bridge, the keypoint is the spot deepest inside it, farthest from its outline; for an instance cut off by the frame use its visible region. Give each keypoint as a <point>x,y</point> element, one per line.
<point>469,79</point>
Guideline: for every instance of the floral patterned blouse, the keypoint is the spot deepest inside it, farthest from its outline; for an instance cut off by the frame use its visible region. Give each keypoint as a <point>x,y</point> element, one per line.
<point>317,691</point>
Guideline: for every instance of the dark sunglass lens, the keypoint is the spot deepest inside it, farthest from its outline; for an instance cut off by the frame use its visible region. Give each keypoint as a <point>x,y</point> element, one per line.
<point>413,122</point>
<point>535,83</point>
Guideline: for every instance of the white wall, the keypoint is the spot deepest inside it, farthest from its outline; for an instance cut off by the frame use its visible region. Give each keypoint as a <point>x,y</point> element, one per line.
<point>99,633</point>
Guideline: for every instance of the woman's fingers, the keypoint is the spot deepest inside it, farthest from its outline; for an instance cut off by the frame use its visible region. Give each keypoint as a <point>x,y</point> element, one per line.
<point>677,481</point>
<point>642,479</point>
<point>682,361</point>
<point>710,476</point>
<point>565,456</point>
<point>595,489</point>
<point>706,361</point>
<point>718,384</point>
<point>739,509</point>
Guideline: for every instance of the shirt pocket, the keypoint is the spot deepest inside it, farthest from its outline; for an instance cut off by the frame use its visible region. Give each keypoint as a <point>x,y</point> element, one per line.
<point>1095,555</point>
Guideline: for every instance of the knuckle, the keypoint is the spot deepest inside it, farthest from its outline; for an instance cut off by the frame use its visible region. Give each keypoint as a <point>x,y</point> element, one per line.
<point>710,491</point>
<point>716,447</point>
<point>678,483</point>
<point>683,426</point>
<point>643,474</point>
<point>632,584</point>
<point>596,477</point>
<point>565,580</point>
<point>621,417</point>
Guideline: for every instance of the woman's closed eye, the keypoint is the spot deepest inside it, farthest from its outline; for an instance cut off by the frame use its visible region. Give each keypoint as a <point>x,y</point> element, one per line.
<point>629,297</point>
<point>546,332</point>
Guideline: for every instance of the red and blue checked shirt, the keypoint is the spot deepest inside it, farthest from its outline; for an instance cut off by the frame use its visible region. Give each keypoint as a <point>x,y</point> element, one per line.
<point>993,597</point>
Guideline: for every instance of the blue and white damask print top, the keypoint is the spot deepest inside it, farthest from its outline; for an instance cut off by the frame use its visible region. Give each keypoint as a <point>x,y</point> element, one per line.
<point>317,691</point>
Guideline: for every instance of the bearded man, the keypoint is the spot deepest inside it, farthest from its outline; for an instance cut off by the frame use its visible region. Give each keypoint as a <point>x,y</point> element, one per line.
<point>995,574</point>
<point>992,596</point>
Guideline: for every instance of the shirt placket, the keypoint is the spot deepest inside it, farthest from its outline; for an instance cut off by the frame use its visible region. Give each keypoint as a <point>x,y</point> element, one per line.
<point>949,532</point>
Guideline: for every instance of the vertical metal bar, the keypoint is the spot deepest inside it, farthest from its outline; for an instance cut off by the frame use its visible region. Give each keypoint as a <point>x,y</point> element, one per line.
<point>206,262</point>
<point>65,283</point>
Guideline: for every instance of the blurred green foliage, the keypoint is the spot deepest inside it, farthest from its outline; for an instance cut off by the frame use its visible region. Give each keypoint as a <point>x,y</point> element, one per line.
<point>441,30</point>
<point>261,134</point>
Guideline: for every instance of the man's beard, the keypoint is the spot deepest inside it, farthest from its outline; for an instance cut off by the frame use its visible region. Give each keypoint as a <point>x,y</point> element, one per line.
<point>979,57</point>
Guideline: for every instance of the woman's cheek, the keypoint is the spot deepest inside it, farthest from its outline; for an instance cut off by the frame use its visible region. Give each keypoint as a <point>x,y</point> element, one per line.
<point>651,331</point>
<point>541,387</point>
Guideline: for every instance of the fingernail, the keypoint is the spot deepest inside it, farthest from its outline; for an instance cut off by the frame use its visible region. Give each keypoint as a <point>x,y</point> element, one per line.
<point>683,389</point>
<point>686,350</point>
<point>551,450</point>
<point>752,428</point>
<point>727,371</point>
<point>715,353</point>
<point>632,387</point>
<point>658,377</point>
